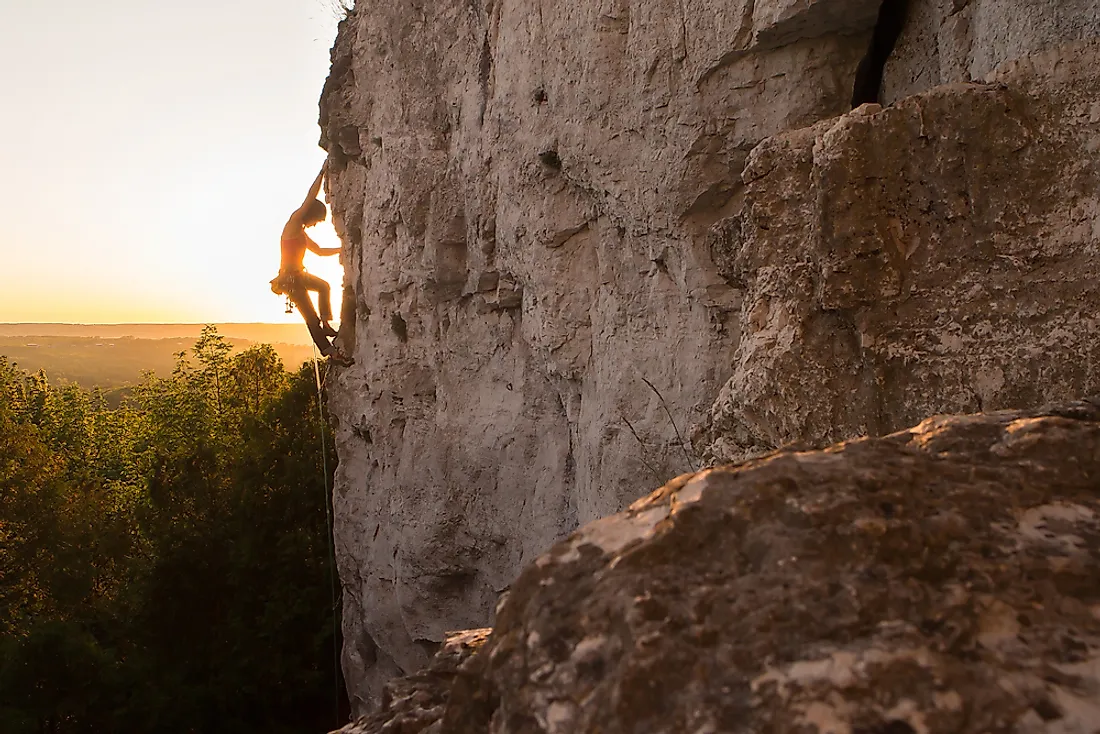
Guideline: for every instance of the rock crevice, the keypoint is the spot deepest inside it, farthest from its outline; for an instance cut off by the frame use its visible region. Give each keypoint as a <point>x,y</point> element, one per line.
<point>868,83</point>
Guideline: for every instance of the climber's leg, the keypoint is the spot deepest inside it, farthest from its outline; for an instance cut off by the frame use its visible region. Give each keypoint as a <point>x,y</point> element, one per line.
<point>324,300</point>
<point>300,296</point>
<point>324,294</point>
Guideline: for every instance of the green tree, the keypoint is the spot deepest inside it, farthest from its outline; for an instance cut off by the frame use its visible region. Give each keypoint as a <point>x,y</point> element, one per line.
<point>175,549</point>
<point>30,499</point>
<point>58,678</point>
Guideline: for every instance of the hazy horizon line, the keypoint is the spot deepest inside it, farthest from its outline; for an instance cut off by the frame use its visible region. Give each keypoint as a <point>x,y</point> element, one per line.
<point>146,323</point>
<point>287,332</point>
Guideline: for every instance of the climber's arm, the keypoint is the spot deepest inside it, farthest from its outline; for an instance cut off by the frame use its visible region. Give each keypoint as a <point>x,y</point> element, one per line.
<point>316,187</point>
<point>318,250</point>
<point>296,218</point>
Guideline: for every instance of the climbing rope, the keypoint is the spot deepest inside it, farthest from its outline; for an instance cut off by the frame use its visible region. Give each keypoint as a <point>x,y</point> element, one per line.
<point>330,531</point>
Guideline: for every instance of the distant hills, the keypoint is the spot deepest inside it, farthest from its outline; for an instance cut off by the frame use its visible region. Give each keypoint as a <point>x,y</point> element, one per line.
<point>260,333</point>
<point>113,356</point>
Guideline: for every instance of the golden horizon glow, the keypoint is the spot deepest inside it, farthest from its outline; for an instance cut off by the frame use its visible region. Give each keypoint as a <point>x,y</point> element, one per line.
<point>157,153</point>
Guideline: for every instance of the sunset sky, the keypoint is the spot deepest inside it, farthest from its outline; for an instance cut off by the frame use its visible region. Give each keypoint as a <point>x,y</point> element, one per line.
<point>150,153</point>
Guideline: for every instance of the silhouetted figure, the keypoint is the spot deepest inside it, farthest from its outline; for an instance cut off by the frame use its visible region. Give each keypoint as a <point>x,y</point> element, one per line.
<point>296,283</point>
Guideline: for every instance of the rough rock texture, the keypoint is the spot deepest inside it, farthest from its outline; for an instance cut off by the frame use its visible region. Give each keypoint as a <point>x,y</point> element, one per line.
<point>938,255</point>
<point>948,41</point>
<point>941,579</point>
<point>552,260</point>
<point>415,703</point>
<point>529,192</point>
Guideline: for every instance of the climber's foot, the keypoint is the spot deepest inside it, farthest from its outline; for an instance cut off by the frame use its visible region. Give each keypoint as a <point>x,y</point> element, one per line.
<point>328,330</point>
<point>337,357</point>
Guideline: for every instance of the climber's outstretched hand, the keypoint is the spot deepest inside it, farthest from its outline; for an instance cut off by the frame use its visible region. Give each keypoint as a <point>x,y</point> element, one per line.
<point>315,188</point>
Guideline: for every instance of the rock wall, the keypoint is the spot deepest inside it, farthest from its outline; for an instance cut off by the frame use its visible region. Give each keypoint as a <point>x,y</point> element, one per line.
<point>938,255</point>
<point>946,41</point>
<point>554,265</point>
<point>527,191</point>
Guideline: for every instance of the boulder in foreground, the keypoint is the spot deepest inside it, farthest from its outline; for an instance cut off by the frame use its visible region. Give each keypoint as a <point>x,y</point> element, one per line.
<point>944,578</point>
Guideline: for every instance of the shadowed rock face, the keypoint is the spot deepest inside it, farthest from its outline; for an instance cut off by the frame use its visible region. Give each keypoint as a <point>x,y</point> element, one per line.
<point>416,703</point>
<point>574,229</point>
<point>529,195</point>
<point>941,579</point>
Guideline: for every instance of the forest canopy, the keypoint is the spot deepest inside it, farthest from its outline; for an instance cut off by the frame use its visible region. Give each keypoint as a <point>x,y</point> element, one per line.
<point>165,564</point>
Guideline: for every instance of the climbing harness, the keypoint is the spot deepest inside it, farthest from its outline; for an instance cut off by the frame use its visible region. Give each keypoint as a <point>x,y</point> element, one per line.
<point>330,531</point>
<point>280,286</point>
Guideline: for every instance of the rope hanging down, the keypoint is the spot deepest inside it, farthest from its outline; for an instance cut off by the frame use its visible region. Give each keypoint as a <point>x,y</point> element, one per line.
<point>329,531</point>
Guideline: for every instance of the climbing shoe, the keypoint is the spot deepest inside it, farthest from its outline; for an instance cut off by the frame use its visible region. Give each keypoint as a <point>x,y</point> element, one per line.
<point>337,357</point>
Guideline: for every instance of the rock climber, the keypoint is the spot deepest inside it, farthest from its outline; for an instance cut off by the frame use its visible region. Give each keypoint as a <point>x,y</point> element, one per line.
<point>293,280</point>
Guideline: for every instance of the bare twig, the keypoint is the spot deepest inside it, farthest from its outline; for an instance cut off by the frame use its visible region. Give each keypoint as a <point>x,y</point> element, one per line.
<point>641,443</point>
<point>679,436</point>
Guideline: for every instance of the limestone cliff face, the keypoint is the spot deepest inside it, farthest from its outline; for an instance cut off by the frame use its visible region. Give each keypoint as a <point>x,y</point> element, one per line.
<point>556,267</point>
